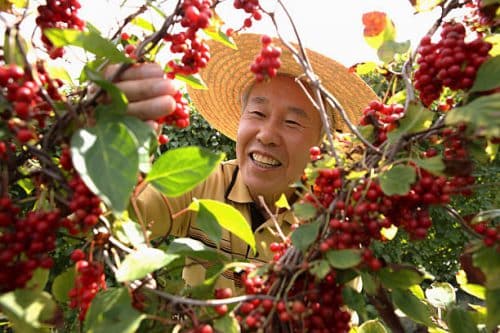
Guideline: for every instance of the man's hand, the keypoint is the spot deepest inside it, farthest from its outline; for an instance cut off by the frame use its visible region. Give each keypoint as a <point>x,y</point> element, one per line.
<point>148,90</point>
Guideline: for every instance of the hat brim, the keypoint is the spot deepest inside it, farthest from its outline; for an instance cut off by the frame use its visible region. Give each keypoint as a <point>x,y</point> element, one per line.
<point>228,74</point>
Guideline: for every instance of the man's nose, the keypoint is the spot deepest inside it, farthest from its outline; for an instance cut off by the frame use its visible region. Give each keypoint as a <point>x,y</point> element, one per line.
<point>268,133</point>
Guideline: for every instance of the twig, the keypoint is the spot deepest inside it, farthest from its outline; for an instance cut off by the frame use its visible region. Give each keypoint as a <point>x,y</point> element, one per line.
<point>273,218</point>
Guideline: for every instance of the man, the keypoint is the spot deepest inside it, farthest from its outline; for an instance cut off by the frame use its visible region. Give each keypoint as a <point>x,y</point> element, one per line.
<point>274,124</point>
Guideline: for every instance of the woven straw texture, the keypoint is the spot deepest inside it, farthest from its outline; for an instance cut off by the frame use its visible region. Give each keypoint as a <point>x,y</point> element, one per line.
<point>228,74</point>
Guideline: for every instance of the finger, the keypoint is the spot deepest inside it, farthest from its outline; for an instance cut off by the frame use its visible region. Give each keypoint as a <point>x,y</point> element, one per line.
<point>152,108</point>
<point>136,71</point>
<point>137,90</point>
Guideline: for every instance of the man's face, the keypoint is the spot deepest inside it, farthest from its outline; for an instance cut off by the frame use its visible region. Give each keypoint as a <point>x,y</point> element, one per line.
<point>277,127</point>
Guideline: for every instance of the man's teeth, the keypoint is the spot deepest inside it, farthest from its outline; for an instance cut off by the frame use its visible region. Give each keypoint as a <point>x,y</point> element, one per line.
<point>266,160</point>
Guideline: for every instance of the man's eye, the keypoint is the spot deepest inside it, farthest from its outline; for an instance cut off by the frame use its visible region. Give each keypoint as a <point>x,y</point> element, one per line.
<point>258,114</point>
<point>292,123</point>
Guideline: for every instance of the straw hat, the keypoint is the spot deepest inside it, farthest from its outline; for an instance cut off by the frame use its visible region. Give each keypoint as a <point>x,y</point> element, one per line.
<point>228,74</point>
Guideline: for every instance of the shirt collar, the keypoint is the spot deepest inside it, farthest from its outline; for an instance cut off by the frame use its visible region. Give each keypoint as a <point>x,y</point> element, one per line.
<point>239,191</point>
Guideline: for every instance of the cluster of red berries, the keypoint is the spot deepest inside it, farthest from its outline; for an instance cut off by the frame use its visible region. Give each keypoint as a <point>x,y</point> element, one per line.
<point>61,14</point>
<point>195,15</point>
<point>491,234</point>
<point>311,306</point>
<point>84,205</point>
<point>89,280</point>
<point>451,62</point>
<point>21,90</point>
<point>251,7</point>
<point>85,208</point>
<point>180,116</point>
<point>384,118</point>
<point>267,63</point>
<point>484,14</point>
<point>25,243</point>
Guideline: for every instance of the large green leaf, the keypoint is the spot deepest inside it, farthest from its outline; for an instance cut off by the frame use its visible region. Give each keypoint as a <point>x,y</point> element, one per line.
<point>38,280</point>
<point>343,259</point>
<point>180,170</point>
<point>11,52</point>
<point>416,119</point>
<point>412,306</point>
<point>305,235</point>
<point>402,278</point>
<point>304,210</point>
<point>189,247</point>
<point>112,311</point>
<point>493,308</point>
<point>62,284</point>
<point>29,311</point>
<point>397,180</point>
<point>226,216</point>
<point>227,324</point>
<point>140,263</point>
<point>461,321</point>
<point>372,326</point>
<point>483,113</point>
<point>91,41</point>
<point>486,79</point>
<point>107,159</point>
<point>354,301</point>
<point>434,165</point>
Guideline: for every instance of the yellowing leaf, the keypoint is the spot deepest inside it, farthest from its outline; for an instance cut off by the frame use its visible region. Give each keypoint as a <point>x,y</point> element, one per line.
<point>282,202</point>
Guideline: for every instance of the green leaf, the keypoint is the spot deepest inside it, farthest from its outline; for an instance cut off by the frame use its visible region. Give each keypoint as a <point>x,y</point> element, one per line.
<point>304,211</point>
<point>475,290</point>
<point>180,170</point>
<point>441,294</point>
<point>140,263</point>
<point>403,278</point>
<point>390,48</point>
<point>282,202</point>
<point>29,311</point>
<point>227,324</point>
<point>416,290</point>
<point>228,217</point>
<point>107,159</point>
<point>189,247</point>
<point>194,80</point>
<point>146,139</point>
<point>143,23</point>
<point>493,309</point>
<point>366,68</point>
<point>320,269</point>
<point>305,235</point>
<point>343,259</point>
<point>434,165</point>
<point>38,280</point>
<point>219,36</point>
<point>26,184</point>
<point>387,34</point>
<point>11,53</point>
<point>486,79</point>
<point>119,101</point>
<point>460,321</point>
<point>354,301</point>
<point>416,119</point>
<point>112,311</point>
<point>207,222</point>
<point>90,41</point>
<point>372,326</point>
<point>412,306</point>
<point>397,180</point>
<point>129,232</point>
<point>369,283</point>
<point>62,284</point>
<point>483,114</point>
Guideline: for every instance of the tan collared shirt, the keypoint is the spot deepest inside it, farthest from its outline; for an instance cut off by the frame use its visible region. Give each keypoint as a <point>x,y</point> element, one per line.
<point>225,185</point>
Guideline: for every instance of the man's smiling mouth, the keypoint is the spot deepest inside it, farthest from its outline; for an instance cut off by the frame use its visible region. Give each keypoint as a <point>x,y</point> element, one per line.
<point>264,161</point>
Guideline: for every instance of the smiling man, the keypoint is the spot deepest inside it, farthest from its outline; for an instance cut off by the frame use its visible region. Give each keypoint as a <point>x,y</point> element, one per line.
<point>274,124</point>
